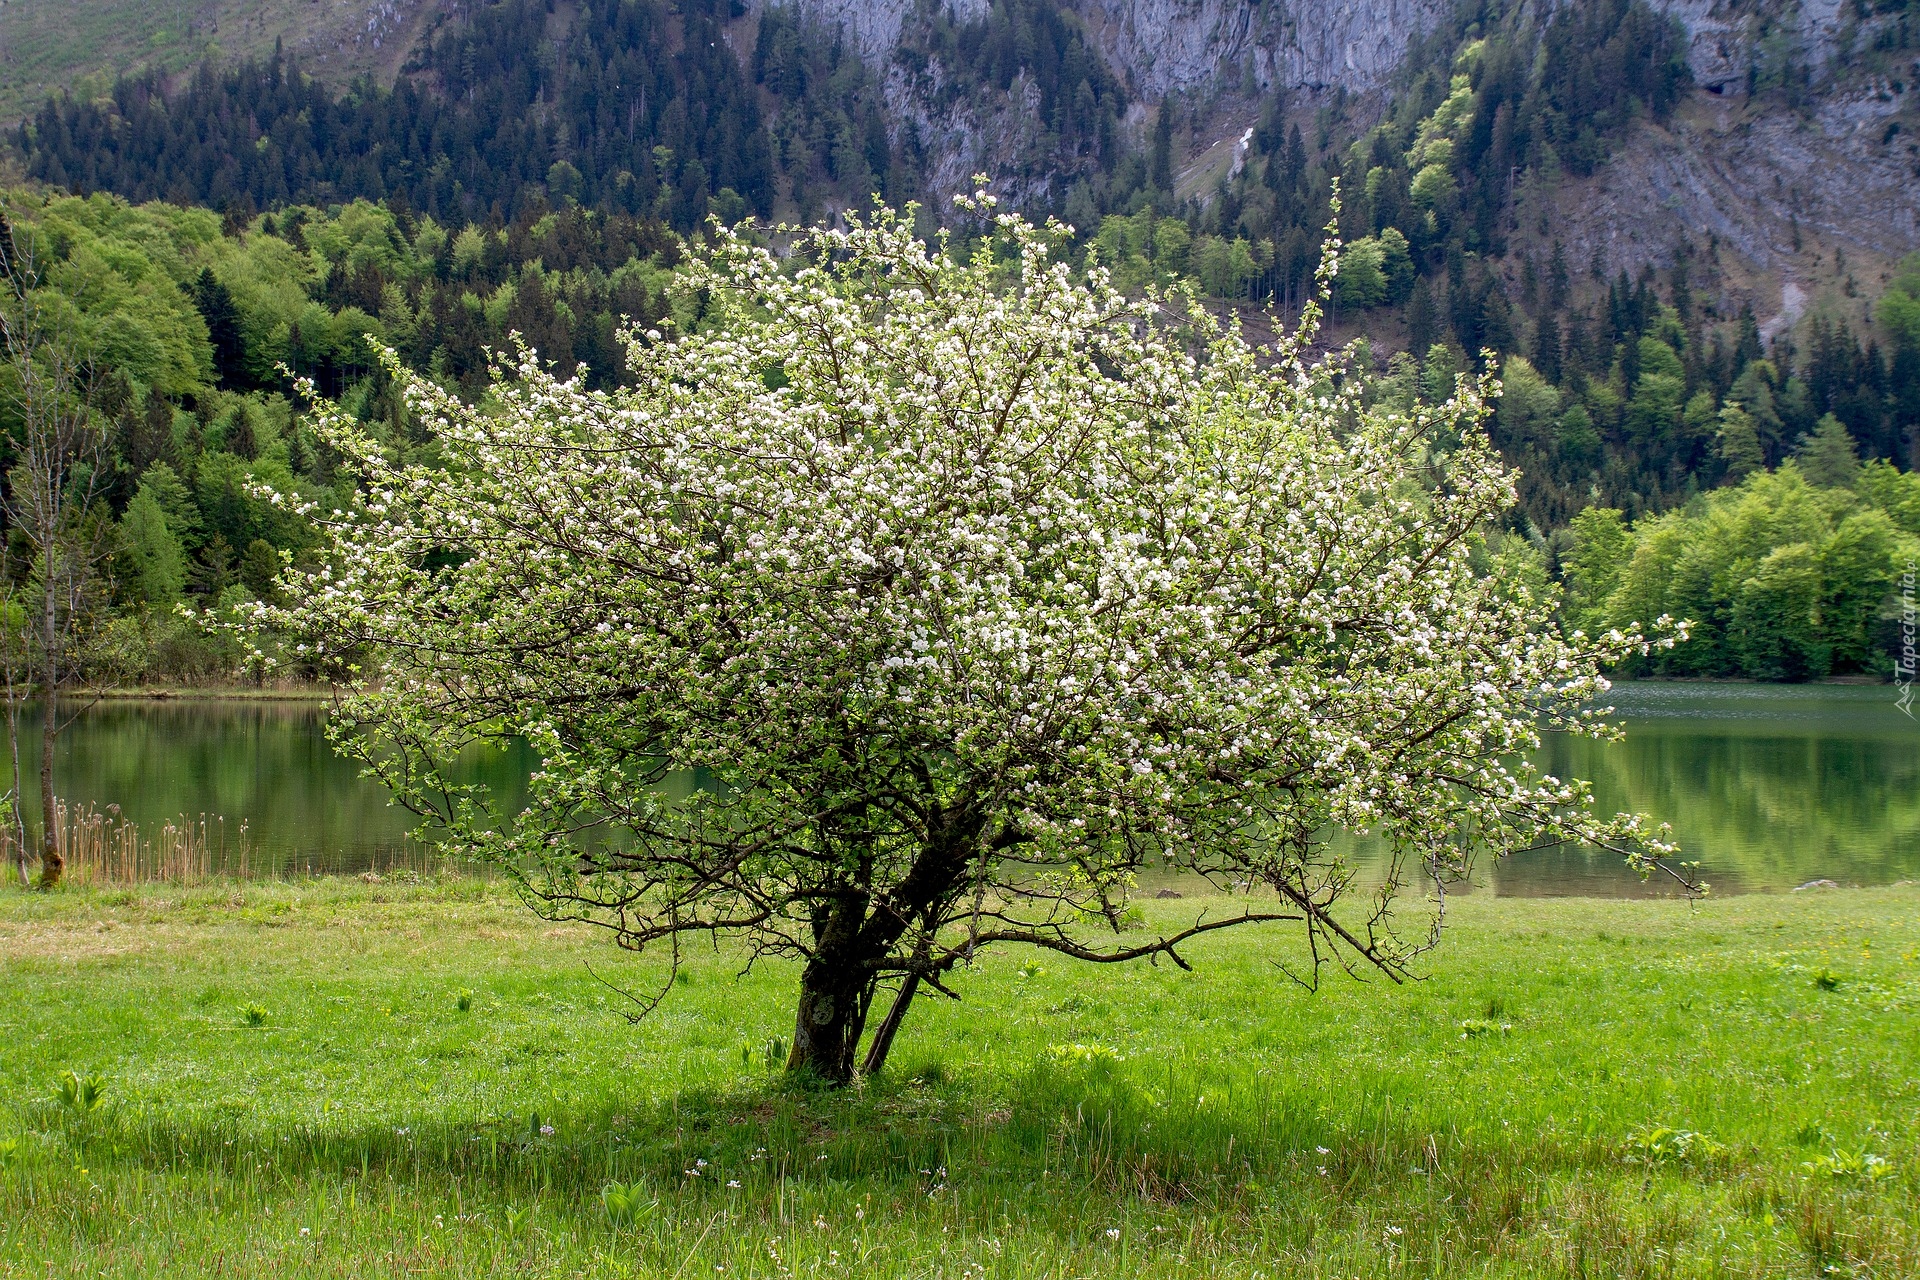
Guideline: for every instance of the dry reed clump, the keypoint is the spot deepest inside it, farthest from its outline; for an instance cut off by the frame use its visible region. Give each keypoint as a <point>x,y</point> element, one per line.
<point>102,848</point>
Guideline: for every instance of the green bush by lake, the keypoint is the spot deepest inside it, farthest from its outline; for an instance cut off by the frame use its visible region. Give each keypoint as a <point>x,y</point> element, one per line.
<point>341,1079</point>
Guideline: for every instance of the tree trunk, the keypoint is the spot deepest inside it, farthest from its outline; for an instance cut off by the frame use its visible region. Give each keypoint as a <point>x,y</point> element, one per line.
<point>832,1014</point>
<point>19,815</point>
<point>52,865</point>
<point>882,1043</point>
<point>837,986</point>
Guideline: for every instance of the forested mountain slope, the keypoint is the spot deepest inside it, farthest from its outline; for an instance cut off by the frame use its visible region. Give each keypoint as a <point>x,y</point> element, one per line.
<point>1685,230</point>
<point>50,45</point>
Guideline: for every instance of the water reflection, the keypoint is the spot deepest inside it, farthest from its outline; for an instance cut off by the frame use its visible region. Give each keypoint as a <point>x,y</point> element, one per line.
<point>266,764</point>
<point>1766,786</point>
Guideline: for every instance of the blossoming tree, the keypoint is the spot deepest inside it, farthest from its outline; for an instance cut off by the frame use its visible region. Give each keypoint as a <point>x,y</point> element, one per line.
<point>917,602</point>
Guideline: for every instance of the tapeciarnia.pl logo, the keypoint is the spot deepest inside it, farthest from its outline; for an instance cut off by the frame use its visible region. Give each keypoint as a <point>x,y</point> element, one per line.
<point>1903,665</point>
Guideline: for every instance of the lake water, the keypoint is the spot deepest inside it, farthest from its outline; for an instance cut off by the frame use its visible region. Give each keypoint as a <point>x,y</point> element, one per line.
<point>1768,786</point>
<point>266,764</point>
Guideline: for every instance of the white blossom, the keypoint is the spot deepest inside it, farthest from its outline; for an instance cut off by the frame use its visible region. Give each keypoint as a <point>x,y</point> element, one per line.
<point>933,598</point>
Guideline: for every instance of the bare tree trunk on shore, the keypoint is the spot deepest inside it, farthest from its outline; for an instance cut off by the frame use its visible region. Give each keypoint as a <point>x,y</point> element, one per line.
<point>54,479</point>
<point>16,694</point>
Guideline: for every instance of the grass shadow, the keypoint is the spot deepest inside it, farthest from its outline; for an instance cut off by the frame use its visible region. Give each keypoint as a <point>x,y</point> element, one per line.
<point>1104,1125</point>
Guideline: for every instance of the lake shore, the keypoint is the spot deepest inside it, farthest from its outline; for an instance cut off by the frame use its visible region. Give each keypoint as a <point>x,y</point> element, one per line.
<point>1768,786</point>
<point>342,1079</point>
<point>211,693</point>
<point>1763,684</point>
<point>303,692</point>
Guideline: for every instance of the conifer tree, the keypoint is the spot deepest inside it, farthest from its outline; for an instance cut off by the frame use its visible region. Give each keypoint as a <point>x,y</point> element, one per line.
<point>1828,457</point>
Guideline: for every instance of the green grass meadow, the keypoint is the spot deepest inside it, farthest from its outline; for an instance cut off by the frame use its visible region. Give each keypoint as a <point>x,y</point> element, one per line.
<point>340,1079</point>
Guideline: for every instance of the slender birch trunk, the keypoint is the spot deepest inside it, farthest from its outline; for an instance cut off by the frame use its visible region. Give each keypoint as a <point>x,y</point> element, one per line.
<point>54,481</point>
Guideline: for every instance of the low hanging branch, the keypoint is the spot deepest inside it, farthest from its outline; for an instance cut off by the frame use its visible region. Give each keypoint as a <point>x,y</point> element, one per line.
<point>1066,945</point>
<point>916,603</point>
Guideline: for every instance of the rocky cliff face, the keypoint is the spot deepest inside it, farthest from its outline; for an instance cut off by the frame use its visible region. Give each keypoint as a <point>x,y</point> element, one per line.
<point>1775,190</point>
<point>1155,47</point>
<point>991,133</point>
<point>1724,36</point>
<point>1165,45</point>
<point>1160,46</point>
<point>874,25</point>
<point>1791,206</point>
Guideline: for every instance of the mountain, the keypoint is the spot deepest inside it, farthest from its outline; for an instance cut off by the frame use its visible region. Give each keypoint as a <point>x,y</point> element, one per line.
<point>1685,230</point>
<point>1666,208</point>
<point>1831,152</point>
<point>1798,138</point>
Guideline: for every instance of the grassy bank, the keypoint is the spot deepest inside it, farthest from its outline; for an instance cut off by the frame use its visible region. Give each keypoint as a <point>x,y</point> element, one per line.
<point>339,1079</point>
